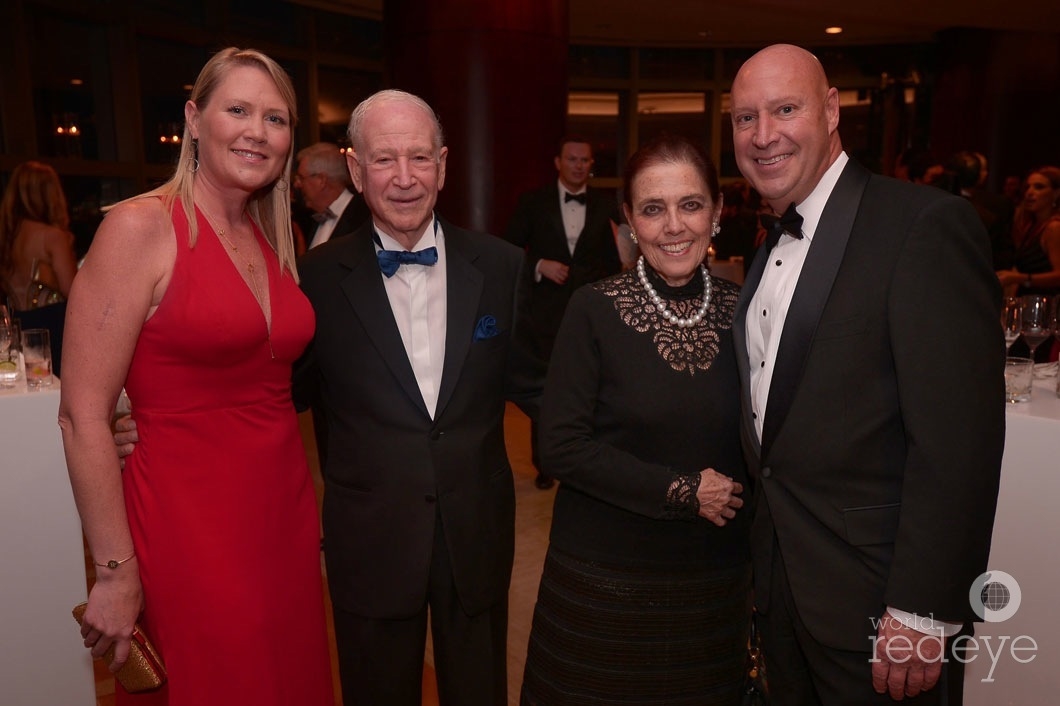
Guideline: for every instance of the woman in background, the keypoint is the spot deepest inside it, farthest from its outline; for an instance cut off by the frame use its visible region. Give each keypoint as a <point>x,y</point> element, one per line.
<point>189,298</point>
<point>1036,236</point>
<point>645,597</point>
<point>37,262</point>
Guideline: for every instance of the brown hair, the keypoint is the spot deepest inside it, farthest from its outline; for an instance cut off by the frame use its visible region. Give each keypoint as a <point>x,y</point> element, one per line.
<point>1025,221</point>
<point>670,149</point>
<point>33,194</point>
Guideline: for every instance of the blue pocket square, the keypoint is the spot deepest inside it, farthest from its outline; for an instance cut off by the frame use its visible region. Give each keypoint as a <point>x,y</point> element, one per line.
<point>486,328</point>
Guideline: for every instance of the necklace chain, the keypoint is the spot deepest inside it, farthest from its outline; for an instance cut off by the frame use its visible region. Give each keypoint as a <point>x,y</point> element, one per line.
<point>667,314</point>
<point>252,279</point>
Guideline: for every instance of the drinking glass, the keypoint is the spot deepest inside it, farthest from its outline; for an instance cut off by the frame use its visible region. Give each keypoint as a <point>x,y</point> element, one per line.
<point>37,352</point>
<point>1011,320</point>
<point>1038,320</point>
<point>10,347</point>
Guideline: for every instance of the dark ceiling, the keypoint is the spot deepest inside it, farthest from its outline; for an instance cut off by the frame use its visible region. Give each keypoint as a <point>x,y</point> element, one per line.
<point>753,23</point>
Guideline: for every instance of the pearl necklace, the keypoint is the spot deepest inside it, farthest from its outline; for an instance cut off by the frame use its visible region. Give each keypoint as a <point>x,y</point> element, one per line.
<point>663,309</point>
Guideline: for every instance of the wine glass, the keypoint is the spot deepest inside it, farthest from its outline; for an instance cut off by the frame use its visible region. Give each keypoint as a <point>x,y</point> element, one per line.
<point>1011,320</point>
<point>1038,320</point>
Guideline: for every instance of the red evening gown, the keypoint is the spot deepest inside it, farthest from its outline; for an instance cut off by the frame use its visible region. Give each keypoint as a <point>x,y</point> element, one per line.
<point>220,501</point>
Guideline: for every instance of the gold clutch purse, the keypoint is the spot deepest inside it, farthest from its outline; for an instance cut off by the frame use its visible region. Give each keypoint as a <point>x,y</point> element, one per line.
<point>143,670</point>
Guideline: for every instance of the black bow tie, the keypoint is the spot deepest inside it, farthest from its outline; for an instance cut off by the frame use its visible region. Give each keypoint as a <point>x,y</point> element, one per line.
<point>789,222</point>
<point>568,197</point>
<point>323,215</point>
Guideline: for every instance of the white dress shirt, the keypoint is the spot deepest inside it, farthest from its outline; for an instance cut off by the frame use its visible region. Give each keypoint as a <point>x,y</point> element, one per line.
<point>326,228</point>
<point>417,295</point>
<point>765,322</point>
<point>769,306</point>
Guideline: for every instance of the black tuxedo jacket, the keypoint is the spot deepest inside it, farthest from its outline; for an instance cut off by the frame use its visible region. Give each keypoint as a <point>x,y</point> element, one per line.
<point>537,226</point>
<point>391,470</point>
<point>878,468</point>
<point>352,217</point>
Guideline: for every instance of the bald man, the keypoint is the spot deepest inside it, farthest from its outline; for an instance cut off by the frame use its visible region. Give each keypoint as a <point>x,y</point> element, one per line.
<point>876,456</point>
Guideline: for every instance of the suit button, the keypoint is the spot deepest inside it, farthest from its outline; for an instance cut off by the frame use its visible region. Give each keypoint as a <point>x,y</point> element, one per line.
<point>767,472</point>
<point>436,434</point>
<point>429,499</point>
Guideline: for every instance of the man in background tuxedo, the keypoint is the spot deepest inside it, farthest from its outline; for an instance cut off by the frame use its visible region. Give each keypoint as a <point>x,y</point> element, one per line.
<point>876,454</point>
<point>412,361</point>
<point>567,230</point>
<point>323,181</point>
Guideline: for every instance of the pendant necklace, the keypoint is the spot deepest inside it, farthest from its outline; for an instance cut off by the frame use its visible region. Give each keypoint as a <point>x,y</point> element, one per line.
<point>252,279</point>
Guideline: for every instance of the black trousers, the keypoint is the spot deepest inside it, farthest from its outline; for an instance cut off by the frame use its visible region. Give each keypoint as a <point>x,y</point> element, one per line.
<point>381,660</point>
<point>803,672</point>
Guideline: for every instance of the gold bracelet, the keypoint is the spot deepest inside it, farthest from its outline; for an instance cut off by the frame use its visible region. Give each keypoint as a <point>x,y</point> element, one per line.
<point>115,563</point>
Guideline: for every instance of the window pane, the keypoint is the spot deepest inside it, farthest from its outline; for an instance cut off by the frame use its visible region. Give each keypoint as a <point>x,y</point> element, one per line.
<point>71,82</point>
<point>676,113</point>
<point>340,92</point>
<point>598,62</point>
<point>690,64</point>
<point>597,116</point>
<point>164,88</point>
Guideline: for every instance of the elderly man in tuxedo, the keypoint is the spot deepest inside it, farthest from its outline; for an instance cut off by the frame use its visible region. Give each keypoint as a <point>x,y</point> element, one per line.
<point>567,230</point>
<point>413,358</point>
<point>874,445</point>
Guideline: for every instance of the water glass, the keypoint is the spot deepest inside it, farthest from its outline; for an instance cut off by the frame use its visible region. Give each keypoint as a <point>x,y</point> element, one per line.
<point>10,350</point>
<point>1019,379</point>
<point>37,353</point>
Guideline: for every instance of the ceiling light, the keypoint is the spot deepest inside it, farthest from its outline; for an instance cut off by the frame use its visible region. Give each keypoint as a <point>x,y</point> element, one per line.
<point>833,30</point>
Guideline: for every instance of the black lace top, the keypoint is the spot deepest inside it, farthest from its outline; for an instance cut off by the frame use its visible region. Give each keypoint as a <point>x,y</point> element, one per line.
<point>635,407</point>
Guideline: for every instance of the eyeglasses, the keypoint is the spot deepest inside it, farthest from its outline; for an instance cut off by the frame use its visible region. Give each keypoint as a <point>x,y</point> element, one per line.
<point>299,177</point>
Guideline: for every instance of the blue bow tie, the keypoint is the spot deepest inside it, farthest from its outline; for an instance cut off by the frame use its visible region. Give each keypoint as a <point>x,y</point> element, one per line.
<point>391,260</point>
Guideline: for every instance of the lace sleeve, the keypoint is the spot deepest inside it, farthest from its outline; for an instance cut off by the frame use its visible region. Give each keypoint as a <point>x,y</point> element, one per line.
<point>681,500</point>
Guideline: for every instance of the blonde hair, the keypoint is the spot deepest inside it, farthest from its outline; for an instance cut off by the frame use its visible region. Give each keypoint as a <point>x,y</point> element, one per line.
<point>33,194</point>
<point>270,206</point>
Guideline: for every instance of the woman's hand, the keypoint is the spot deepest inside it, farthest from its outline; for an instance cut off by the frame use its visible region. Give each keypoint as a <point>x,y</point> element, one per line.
<point>718,497</point>
<point>1010,277</point>
<point>114,605</point>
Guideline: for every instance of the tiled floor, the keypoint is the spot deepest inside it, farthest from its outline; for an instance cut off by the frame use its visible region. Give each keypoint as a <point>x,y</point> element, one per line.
<point>532,519</point>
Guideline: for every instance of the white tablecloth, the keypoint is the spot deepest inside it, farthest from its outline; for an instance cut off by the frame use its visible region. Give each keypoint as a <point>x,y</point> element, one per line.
<point>1025,545</point>
<point>42,560</point>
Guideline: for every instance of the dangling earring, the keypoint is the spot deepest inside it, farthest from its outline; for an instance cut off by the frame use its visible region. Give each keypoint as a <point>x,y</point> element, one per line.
<point>281,184</point>
<point>632,234</point>
<point>716,229</point>
<point>195,156</point>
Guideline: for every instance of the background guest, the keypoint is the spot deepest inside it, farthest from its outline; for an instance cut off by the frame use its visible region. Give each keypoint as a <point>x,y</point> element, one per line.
<point>568,232</point>
<point>37,261</point>
<point>189,298</point>
<point>645,594</point>
<point>967,172</point>
<point>739,223</point>
<point>322,179</point>
<point>1036,235</point>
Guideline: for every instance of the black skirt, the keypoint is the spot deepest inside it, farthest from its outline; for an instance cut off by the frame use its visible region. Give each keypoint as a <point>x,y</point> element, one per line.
<point>637,635</point>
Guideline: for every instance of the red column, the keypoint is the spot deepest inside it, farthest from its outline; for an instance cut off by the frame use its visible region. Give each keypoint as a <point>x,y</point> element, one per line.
<point>496,74</point>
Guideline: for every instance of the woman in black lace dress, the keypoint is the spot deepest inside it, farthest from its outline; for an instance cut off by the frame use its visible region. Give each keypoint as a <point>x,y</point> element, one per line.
<point>645,594</point>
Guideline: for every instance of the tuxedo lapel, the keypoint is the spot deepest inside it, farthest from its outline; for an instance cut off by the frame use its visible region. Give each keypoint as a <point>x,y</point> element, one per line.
<point>739,337</point>
<point>811,294</point>
<point>464,285</point>
<point>366,295</point>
